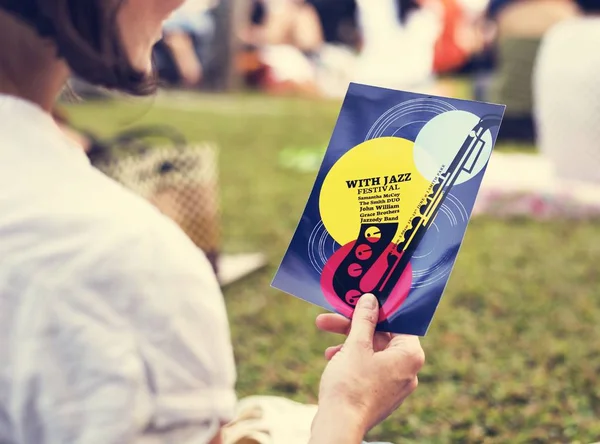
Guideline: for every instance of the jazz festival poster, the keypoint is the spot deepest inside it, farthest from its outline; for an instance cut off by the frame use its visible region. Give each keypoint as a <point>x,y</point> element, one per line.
<point>390,205</point>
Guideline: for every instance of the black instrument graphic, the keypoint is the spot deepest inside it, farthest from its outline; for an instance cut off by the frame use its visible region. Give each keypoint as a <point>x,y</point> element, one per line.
<point>354,277</point>
<point>374,239</point>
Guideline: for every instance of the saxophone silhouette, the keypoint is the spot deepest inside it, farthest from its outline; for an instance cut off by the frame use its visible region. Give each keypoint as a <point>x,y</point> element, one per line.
<point>378,259</point>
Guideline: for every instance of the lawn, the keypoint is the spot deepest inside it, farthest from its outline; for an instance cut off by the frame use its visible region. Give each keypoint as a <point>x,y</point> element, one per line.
<point>513,354</point>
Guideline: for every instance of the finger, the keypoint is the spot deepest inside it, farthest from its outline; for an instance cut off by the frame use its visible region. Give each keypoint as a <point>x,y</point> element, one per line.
<point>332,351</point>
<point>405,342</point>
<point>381,341</point>
<point>333,323</point>
<point>364,321</point>
<point>414,384</point>
<point>410,348</point>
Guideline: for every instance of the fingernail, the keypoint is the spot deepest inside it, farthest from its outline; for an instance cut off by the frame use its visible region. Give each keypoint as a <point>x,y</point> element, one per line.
<point>368,301</point>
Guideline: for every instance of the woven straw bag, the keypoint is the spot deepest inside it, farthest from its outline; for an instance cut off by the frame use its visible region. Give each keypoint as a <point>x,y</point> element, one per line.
<point>180,179</point>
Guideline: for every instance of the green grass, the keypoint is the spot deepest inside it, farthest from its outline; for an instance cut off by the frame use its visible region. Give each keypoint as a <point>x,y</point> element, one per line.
<point>513,354</point>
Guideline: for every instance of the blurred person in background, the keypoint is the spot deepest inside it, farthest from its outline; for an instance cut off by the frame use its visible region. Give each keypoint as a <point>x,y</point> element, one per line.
<point>113,327</point>
<point>564,181</point>
<point>389,43</point>
<point>185,49</point>
<point>398,42</point>
<point>566,90</point>
<point>519,27</point>
<point>339,22</point>
<point>284,36</point>
<point>462,37</point>
<point>286,22</point>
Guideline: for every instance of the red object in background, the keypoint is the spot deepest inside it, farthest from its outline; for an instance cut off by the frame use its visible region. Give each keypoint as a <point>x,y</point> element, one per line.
<point>449,55</point>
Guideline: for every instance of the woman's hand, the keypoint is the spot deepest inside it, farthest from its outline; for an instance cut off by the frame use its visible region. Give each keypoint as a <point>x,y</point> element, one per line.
<point>367,378</point>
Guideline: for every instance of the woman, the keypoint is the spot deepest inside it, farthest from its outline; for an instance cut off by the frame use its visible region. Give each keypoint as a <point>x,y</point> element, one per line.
<point>112,326</point>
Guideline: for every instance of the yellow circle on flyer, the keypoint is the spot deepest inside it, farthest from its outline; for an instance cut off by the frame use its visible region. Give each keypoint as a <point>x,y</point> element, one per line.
<point>375,182</point>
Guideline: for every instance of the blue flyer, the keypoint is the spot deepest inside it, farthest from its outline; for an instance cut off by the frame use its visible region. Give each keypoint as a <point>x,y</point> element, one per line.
<point>390,205</point>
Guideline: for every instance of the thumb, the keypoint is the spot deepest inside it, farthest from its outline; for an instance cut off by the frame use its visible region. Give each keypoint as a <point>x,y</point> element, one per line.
<point>364,321</point>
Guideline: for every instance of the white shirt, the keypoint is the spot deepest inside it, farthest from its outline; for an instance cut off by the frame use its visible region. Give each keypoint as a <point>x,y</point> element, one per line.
<point>397,55</point>
<point>566,87</point>
<point>113,329</point>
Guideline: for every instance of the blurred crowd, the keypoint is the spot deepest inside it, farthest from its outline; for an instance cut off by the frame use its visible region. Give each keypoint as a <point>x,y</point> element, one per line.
<point>538,57</point>
<point>317,47</point>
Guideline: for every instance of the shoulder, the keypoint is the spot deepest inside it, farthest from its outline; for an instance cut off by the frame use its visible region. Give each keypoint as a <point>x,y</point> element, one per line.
<point>94,230</point>
<point>68,228</point>
<point>134,240</point>
<point>137,304</point>
<point>127,266</point>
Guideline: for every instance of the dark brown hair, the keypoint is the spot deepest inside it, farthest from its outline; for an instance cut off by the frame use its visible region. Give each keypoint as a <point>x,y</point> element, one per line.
<point>87,37</point>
